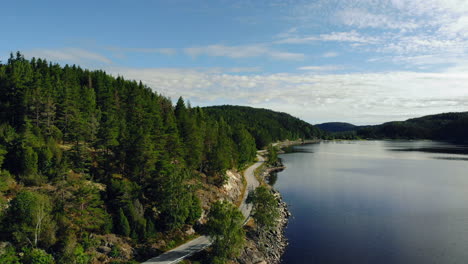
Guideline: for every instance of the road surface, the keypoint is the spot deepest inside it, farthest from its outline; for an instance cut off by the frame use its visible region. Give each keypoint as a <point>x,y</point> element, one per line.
<point>193,246</point>
<point>252,183</point>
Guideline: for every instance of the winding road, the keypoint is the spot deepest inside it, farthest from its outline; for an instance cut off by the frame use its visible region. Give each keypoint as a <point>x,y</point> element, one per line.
<point>193,246</point>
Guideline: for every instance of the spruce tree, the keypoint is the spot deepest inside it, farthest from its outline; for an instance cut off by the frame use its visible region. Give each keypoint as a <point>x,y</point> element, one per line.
<point>123,227</point>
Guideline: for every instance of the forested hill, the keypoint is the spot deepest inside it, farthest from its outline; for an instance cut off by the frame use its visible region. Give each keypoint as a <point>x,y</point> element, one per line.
<point>446,126</point>
<point>337,127</point>
<point>84,155</point>
<point>265,125</point>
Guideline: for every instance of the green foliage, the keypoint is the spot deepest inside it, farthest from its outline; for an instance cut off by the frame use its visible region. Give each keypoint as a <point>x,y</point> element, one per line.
<point>150,228</point>
<point>3,151</point>
<point>5,181</point>
<point>84,207</point>
<point>272,155</point>
<point>264,125</point>
<point>74,252</point>
<point>29,165</point>
<point>195,210</point>
<point>265,208</point>
<point>92,148</point>
<point>115,252</point>
<point>224,227</point>
<point>177,204</point>
<point>447,126</point>
<point>80,256</point>
<point>123,227</point>
<point>337,127</point>
<point>30,219</point>
<point>245,144</point>
<point>37,256</point>
<point>8,255</point>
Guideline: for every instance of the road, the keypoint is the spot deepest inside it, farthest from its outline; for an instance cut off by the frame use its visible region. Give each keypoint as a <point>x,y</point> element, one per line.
<point>252,183</point>
<point>193,246</point>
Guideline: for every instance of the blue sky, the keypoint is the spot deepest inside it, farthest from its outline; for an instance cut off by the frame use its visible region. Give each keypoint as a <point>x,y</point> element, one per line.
<point>361,61</point>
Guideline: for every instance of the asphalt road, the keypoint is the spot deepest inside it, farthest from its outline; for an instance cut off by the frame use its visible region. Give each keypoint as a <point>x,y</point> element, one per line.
<point>252,183</point>
<point>193,246</point>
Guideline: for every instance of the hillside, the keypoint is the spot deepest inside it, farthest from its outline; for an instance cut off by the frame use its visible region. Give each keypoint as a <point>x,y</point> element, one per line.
<point>446,126</point>
<point>99,169</point>
<point>265,125</point>
<point>337,127</point>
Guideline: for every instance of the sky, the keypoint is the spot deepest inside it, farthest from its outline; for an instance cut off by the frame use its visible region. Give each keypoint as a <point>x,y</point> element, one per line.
<point>358,61</point>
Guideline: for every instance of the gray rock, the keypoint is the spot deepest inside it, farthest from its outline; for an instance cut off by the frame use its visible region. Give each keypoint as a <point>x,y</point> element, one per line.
<point>104,249</point>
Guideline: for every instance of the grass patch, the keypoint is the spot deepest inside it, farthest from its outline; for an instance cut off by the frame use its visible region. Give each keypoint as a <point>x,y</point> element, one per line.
<point>244,189</point>
<point>258,173</point>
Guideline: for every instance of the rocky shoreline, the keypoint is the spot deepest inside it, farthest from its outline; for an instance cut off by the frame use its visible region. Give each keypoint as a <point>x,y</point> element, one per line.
<point>267,247</point>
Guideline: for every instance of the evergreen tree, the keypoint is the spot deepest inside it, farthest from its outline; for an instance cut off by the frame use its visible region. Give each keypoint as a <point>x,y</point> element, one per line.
<point>123,227</point>
<point>97,144</point>
<point>224,227</point>
<point>265,208</point>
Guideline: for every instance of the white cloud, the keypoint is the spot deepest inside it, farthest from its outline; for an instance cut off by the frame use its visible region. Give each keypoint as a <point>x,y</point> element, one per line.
<point>351,36</point>
<point>423,43</point>
<point>361,98</point>
<point>363,19</point>
<point>320,68</point>
<point>245,51</point>
<point>165,51</point>
<point>330,54</point>
<point>458,27</point>
<point>69,55</point>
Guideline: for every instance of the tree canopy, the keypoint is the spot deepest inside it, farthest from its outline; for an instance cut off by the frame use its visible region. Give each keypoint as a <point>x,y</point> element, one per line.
<point>225,229</point>
<point>84,153</point>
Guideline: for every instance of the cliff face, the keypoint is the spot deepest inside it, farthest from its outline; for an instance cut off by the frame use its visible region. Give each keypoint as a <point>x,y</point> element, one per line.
<point>231,191</point>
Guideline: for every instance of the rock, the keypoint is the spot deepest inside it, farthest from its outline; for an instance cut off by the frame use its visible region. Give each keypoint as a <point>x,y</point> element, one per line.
<point>3,246</point>
<point>190,231</point>
<point>268,247</point>
<point>104,249</point>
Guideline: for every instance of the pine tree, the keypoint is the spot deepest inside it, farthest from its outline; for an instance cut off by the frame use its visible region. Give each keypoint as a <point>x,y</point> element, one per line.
<point>123,227</point>
<point>224,227</point>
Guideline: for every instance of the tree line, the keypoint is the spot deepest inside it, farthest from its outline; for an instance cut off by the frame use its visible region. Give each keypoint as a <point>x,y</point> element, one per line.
<point>446,126</point>
<point>83,153</point>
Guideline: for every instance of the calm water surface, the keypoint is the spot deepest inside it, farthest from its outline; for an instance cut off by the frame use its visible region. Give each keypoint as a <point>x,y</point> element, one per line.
<point>376,202</point>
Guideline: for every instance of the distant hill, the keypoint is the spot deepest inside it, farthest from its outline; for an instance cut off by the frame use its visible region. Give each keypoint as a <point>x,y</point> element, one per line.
<point>337,127</point>
<point>446,126</point>
<point>265,125</point>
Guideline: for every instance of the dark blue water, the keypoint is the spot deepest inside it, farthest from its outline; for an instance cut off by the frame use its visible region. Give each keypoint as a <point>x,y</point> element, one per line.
<point>376,202</point>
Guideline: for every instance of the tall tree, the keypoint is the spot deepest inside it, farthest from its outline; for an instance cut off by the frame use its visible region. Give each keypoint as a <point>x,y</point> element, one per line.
<point>225,229</point>
<point>30,218</point>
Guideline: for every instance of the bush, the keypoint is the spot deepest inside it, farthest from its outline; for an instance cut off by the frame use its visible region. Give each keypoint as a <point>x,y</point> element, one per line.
<point>8,256</point>
<point>37,256</point>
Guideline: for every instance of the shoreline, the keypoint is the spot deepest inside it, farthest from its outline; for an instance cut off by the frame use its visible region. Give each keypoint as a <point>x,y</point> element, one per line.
<point>276,240</point>
<point>269,248</point>
<point>272,246</point>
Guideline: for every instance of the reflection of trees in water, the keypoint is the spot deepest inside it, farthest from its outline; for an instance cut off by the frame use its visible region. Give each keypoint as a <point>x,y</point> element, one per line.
<point>272,178</point>
<point>446,150</point>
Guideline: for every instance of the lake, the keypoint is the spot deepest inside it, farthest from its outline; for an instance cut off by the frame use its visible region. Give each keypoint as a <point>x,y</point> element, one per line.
<point>376,202</point>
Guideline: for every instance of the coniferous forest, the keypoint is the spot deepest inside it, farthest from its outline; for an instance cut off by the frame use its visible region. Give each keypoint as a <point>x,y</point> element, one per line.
<point>84,154</point>
<point>450,127</point>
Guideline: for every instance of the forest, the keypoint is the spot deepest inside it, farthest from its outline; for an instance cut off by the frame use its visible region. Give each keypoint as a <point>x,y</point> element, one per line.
<point>452,127</point>
<point>85,154</point>
<point>266,125</point>
<point>447,126</point>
